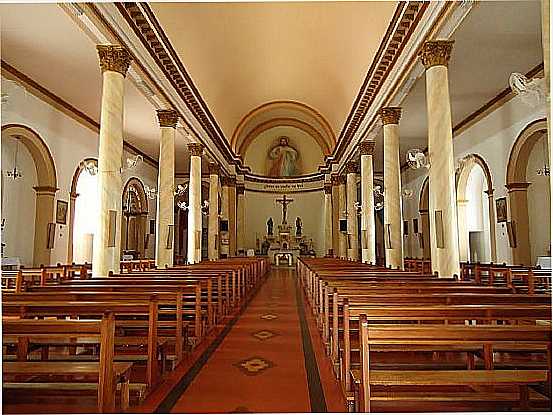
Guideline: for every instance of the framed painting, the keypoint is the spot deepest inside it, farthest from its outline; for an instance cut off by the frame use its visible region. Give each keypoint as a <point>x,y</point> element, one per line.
<point>61,212</point>
<point>501,209</point>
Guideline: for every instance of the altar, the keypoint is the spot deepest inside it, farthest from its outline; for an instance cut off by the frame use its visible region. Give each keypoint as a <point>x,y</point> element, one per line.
<point>284,246</point>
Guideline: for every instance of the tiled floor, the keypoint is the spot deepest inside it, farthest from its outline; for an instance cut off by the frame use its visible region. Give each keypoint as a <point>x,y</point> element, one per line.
<point>260,365</point>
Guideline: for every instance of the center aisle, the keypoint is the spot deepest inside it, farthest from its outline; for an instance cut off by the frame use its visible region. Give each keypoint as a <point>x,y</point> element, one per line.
<point>266,363</point>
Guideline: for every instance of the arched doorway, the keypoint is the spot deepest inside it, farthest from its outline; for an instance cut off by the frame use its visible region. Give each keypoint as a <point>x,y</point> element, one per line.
<point>135,214</point>
<point>424,237</point>
<point>475,211</point>
<point>529,194</point>
<point>18,218</point>
<point>83,211</point>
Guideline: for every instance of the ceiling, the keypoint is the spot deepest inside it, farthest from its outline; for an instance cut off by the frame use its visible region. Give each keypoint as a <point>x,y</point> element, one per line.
<point>243,55</point>
<point>496,39</point>
<point>44,43</point>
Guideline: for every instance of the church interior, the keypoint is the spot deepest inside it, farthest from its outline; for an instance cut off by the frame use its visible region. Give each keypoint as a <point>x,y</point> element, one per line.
<point>276,207</point>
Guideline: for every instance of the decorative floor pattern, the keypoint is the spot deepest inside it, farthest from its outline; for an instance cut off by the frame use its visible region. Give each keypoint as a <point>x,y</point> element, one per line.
<point>260,366</point>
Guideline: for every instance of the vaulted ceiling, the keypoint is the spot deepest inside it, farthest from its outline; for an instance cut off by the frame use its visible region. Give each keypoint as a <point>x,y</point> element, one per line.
<point>244,55</point>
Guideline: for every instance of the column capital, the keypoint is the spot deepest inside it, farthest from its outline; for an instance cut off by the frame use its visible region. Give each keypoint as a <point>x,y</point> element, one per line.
<point>390,115</point>
<point>240,188</point>
<point>45,190</point>
<point>328,188</point>
<point>366,147</point>
<point>489,192</point>
<point>214,168</point>
<point>167,118</point>
<point>351,167</point>
<point>436,52</point>
<point>114,58</point>
<point>228,181</point>
<point>513,187</point>
<point>195,149</point>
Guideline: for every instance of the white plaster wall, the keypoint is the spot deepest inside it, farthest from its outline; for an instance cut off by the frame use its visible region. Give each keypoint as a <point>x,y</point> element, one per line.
<point>18,202</point>
<point>309,206</point>
<point>492,138</point>
<point>539,200</point>
<point>475,211</point>
<point>69,142</point>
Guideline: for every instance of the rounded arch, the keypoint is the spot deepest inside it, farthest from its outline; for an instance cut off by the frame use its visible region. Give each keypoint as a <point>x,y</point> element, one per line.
<point>518,157</point>
<point>47,186</point>
<point>81,166</point>
<point>44,162</point>
<point>283,113</point>
<point>468,164</point>
<point>137,184</point>
<point>517,187</point>
<point>423,196</point>
<point>462,177</point>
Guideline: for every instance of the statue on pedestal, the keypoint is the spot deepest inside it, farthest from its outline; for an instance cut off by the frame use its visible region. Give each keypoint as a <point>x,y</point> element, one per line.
<point>270,227</point>
<point>298,226</point>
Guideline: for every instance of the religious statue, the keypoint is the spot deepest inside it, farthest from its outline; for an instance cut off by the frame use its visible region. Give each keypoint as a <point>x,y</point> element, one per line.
<point>270,227</point>
<point>298,226</point>
<point>284,202</point>
<point>284,159</point>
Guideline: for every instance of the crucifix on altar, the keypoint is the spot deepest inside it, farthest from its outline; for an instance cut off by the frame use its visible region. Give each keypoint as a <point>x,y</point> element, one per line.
<point>284,202</point>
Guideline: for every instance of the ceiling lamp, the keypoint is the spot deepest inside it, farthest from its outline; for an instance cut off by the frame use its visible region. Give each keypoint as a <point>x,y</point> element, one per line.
<point>91,166</point>
<point>15,173</point>
<point>378,198</point>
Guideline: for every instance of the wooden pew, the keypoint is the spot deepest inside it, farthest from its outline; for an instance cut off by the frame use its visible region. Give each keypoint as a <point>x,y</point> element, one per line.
<point>105,371</point>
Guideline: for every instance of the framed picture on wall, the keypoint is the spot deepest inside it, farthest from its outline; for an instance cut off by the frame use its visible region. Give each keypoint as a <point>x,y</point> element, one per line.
<point>501,209</point>
<point>511,233</point>
<point>415,225</point>
<point>405,227</point>
<point>440,242</point>
<point>152,226</point>
<point>61,212</point>
<point>51,231</point>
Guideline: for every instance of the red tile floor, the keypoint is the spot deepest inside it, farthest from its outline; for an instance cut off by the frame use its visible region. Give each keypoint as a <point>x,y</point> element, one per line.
<point>261,365</point>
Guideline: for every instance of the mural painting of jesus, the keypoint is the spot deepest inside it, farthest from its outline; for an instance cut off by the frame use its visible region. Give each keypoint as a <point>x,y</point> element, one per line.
<point>283,159</point>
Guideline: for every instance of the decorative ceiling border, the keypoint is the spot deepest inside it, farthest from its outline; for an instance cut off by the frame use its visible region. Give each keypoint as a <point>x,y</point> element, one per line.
<point>406,18</point>
<point>143,22</point>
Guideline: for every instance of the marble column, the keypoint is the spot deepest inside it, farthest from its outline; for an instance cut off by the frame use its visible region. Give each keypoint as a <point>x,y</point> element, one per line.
<point>232,216</point>
<point>114,63</point>
<point>165,214</point>
<point>328,218</point>
<point>368,233</point>
<point>226,182</point>
<point>194,245</point>
<point>213,221</point>
<point>444,233</point>
<point>335,181</point>
<point>342,203</point>
<point>351,179</point>
<point>392,188</point>
<point>491,218</point>
<point>240,219</point>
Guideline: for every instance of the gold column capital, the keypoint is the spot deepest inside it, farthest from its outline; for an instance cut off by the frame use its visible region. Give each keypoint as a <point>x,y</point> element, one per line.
<point>436,52</point>
<point>214,168</point>
<point>114,58</point>
<point>366,147</point>
<point>167,118</point>
<point>390,115</point>
<point>351,167</point>
<point>195,149</point>
<point>240,188</point>
<point>45,190</point>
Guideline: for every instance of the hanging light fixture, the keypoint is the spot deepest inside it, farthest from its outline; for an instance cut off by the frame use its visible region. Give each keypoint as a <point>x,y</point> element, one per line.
<point>378,198</point>
<point>15,173</point>
<point>544,171</point>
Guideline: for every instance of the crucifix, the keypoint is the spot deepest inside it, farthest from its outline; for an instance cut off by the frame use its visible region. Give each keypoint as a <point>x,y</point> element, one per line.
<point>284,202</point>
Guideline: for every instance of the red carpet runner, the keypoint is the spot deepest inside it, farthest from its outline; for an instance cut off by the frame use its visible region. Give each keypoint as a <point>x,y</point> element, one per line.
<point>264,364</point>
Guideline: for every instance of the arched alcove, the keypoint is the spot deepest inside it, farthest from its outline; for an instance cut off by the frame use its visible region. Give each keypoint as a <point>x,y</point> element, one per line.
<point>425,220</point>
<point>135,214</point>
<point>475,210</point>
<point>45,187</point>
<point>518,183</point>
